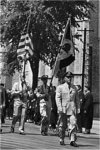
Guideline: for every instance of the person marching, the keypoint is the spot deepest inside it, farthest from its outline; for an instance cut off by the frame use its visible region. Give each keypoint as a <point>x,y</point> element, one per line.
<point>43,95</point>
<point>20,105</point>
<point>68,106</point>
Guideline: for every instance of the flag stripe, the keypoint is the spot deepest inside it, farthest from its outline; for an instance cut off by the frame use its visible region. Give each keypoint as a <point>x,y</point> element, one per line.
<point>27,48</point>
<point>21,46</point>
<point>29,41</point>
<point>28,45</point>
<point>25,45</point>
<point>22,51</point>
<point>22,43</point>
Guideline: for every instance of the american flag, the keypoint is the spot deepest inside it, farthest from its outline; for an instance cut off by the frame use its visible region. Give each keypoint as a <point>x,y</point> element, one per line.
<point>67,54</point>
<point>25,46</point>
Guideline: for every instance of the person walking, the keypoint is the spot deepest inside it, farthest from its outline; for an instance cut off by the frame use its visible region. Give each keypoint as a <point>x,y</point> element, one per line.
<point>79,116</point>
<point>87,109</point>
<point>45,106</point>
<point>20,104</point>
<point>68,105</point>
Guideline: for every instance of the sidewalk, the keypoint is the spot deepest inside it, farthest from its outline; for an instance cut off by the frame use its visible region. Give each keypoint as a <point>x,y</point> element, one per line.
<point>96,126</point>
<point>95,131</point>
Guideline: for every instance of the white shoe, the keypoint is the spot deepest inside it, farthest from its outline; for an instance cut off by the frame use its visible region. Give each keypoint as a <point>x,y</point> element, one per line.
<point>21,131</point>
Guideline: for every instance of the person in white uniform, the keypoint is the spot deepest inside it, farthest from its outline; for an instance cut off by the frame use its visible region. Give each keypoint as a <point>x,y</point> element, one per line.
<point>68,105</point>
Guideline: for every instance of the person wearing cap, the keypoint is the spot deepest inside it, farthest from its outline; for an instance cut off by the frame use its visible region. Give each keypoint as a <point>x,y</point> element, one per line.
<point>68,105</point>
<point>43,95</point>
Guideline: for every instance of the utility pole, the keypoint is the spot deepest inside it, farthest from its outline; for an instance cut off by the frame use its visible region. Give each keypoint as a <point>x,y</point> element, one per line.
<point>84,52</point>
<point>90,67</point>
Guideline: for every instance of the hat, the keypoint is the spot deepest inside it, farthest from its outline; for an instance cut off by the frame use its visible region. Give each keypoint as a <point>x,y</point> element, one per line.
<point>68,74</point>
<point>44,77</point>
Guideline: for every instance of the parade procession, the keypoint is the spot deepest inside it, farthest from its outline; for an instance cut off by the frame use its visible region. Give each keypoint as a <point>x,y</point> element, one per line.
<point>49,74</point>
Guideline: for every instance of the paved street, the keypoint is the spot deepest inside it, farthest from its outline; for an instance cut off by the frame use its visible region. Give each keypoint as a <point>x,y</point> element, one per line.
<point>34,140</point>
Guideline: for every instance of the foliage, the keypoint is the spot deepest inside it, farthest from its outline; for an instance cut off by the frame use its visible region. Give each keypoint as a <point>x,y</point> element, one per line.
<point>47,21</point>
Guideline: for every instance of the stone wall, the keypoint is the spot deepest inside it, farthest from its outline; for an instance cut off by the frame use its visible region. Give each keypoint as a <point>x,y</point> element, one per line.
<point>95,43</point>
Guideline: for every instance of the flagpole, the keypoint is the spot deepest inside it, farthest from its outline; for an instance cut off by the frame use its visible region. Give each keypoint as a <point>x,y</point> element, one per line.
<point>29,18</point>
<point>25,41</point>
<point>54,69</point>
<point>69,18</point>
<point>65,29</point>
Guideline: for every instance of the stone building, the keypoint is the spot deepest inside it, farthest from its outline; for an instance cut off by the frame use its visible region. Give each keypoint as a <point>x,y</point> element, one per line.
<point>94,41</point>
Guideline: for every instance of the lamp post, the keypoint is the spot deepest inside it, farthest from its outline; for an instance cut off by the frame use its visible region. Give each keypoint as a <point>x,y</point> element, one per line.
<point>90,67</point>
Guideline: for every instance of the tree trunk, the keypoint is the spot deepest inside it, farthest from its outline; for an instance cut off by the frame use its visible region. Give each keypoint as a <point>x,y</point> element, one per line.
<point>35,69</point>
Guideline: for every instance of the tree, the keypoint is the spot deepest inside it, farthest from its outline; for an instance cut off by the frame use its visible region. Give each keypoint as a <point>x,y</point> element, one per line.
<point>47,21</point>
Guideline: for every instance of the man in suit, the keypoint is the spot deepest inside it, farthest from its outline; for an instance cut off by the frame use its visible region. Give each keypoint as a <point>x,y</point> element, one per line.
<point>87,110</point>
<point>68,105</point>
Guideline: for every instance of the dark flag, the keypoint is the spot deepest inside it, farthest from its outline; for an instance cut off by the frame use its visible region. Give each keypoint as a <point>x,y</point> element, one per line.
<point>67,54</point>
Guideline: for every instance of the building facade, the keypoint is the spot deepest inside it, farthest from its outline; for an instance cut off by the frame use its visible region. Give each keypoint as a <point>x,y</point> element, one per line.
<point>94,41</point>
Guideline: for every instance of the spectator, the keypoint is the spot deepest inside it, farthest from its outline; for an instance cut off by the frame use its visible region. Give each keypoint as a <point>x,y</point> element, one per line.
<point>87,110</point>
<point>3,104</point>
<point>79,116</point>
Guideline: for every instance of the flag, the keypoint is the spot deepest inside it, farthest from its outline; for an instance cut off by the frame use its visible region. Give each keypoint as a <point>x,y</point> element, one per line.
<point>66,55</point>
<point>25,46</point>
<point>29,45</point>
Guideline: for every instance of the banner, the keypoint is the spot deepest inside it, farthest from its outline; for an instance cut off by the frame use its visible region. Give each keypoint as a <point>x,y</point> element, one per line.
<point>66,55</point>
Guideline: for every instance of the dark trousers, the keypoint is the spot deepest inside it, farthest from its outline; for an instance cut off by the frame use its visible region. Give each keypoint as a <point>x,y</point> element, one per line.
<point>79,121</point>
